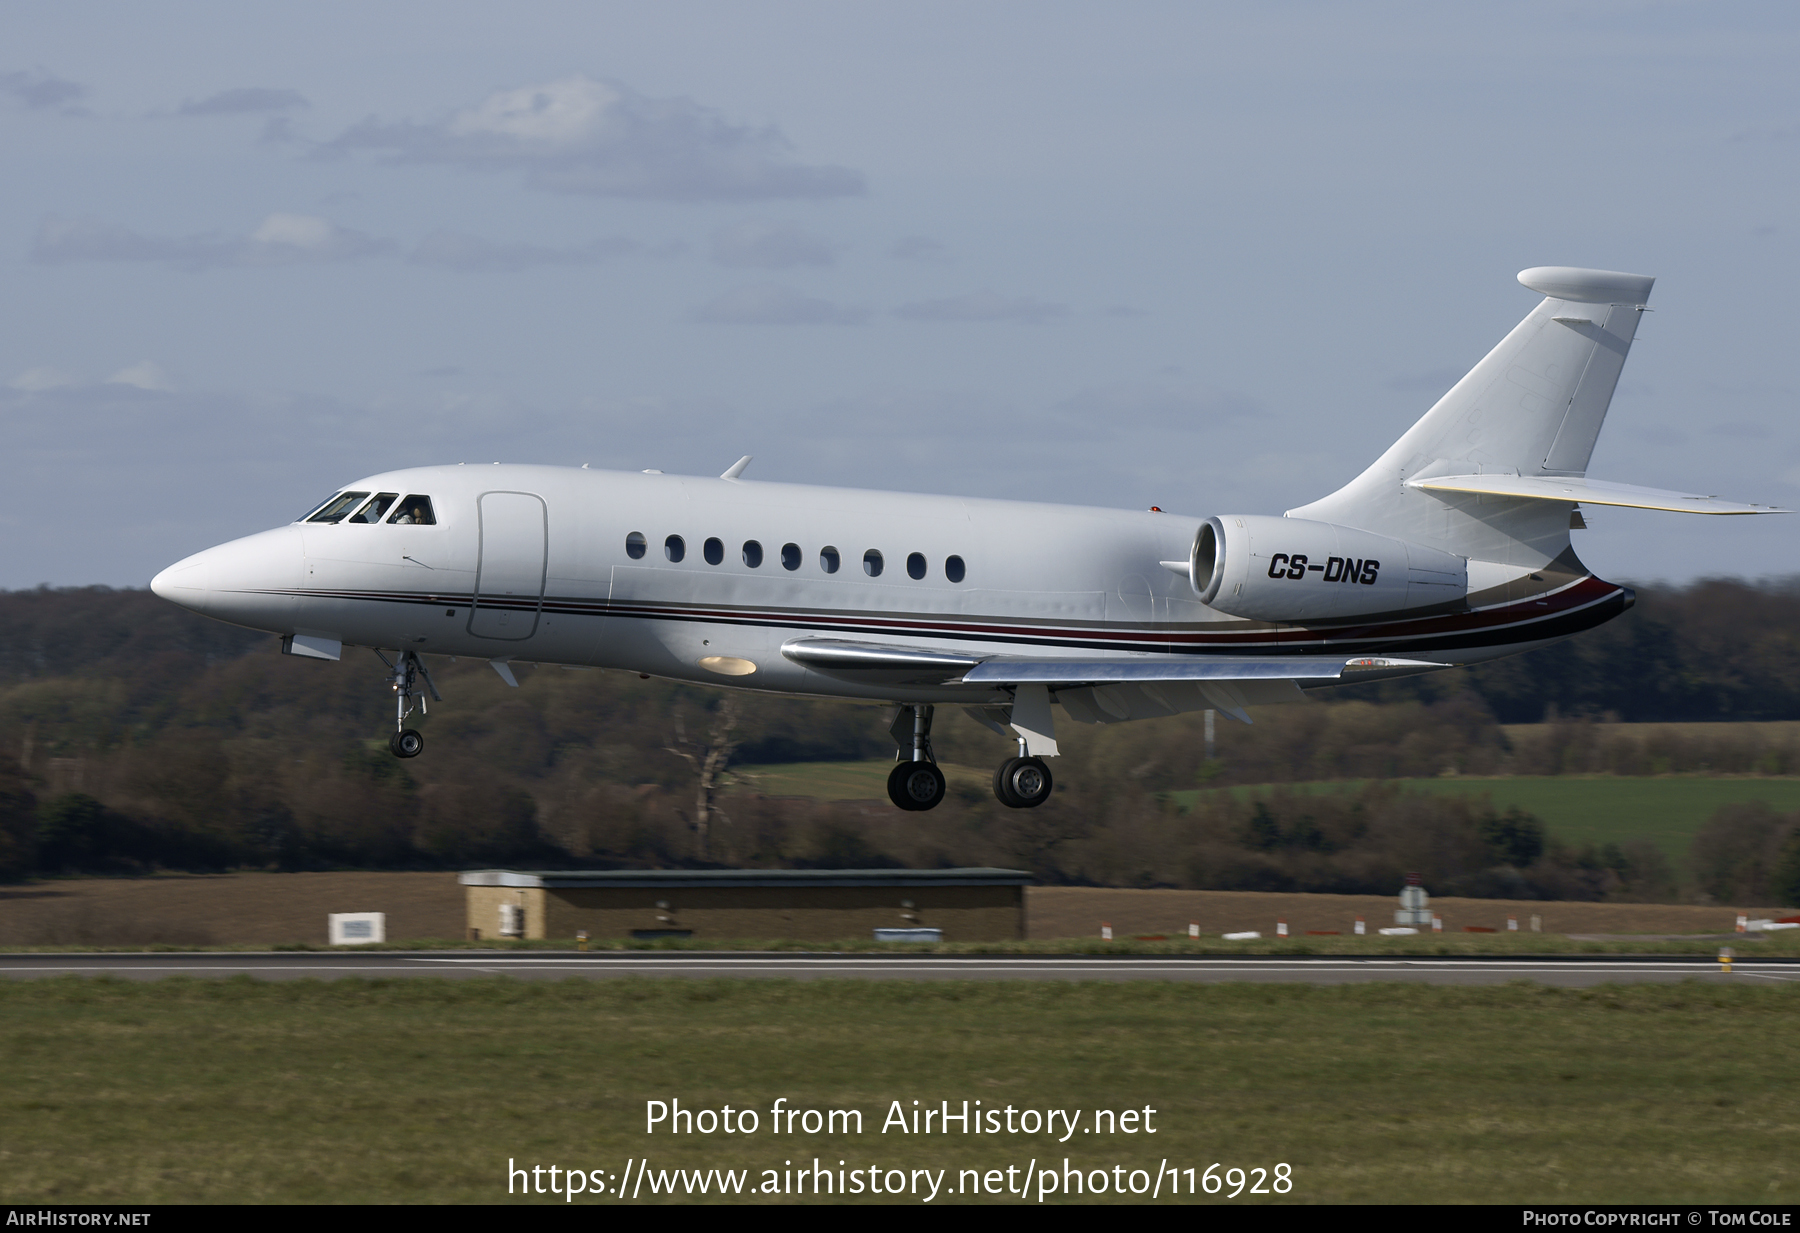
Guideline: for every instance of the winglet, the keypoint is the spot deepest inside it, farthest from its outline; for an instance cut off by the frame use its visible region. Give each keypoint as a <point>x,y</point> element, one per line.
<point>737,468</point>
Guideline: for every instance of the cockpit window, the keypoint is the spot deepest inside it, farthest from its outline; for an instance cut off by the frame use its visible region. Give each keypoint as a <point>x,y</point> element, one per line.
<point>373,511</point>
<point>335,509</point>
<point>415,510</point>
<point>315,509</point>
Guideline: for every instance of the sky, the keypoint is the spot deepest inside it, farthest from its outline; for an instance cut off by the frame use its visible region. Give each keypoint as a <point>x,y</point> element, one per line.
<point>1213,258</point>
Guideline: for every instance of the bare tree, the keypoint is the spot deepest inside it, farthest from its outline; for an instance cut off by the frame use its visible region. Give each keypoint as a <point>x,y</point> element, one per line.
<point>709,760</point>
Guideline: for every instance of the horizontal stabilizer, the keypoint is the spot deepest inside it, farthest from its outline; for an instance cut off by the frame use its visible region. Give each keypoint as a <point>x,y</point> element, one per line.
<point>1588,492</point>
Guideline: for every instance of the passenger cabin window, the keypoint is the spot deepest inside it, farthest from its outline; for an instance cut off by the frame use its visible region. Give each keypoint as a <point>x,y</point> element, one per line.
<point>829,559</point>
<point>674,548</point>
<point>414,511</point>
<point>377,506</point>
<point>635,545</point>
<point>953,569</point>
<point>790,556</point>
<point>915,565</point>
<point>872,563</point>
<point>340,505</point>
<point>713,550</point>
<point>752,554</point>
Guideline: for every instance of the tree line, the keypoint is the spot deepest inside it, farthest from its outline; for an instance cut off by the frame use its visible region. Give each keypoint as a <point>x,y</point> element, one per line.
<point>135,735</point>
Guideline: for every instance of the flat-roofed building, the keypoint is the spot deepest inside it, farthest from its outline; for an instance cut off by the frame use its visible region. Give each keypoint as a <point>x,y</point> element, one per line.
<point>815,905</point>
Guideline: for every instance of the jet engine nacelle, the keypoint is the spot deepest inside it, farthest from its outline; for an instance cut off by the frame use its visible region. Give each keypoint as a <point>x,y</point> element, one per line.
<point>1290,569</point>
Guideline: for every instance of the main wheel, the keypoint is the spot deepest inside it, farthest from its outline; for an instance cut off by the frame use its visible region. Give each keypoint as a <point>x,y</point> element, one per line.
<point>1022,783</point>
<point>1003,784</point>
<point>915,785</point>
<point>406,743</point>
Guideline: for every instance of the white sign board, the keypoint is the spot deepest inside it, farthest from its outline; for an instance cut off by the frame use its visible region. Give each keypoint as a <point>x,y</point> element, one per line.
<point>357,928</point>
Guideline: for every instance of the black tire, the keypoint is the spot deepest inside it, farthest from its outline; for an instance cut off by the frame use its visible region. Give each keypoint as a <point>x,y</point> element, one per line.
<point>1027,782</point>
<point>1003,784</point>
<point>406,743</point>
<point>915,785</point>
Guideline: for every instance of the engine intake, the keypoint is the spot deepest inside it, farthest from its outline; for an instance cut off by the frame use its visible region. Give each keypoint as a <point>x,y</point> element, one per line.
<point>1266,568</point>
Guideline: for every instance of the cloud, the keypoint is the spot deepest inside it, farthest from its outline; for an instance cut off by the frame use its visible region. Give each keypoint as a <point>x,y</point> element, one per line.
<point>771,305</point>
<point>454,251</point>
<point>981,305</point>
<point>37,380</point>
<point>145,375</point>
<point>769,246</point>
<point>40,91</point>
<point>1146,404</point>
<point>1743,431</point>
<point>1437,381</point>
<point>918,248</point>
<point>603,139</point>
<point>280,239</point>
<point>248,100</point>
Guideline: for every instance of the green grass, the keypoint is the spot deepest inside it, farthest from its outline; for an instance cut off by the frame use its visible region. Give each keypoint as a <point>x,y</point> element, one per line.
<point>422,1090</point>
<point>841,781</point>
<point>1668,810</point>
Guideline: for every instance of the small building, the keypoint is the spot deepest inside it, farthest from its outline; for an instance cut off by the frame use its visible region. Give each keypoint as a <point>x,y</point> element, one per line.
<point>814,905</point>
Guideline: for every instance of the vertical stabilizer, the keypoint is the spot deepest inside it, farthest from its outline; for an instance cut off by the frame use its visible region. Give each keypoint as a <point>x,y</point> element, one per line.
<point>1533,406</point>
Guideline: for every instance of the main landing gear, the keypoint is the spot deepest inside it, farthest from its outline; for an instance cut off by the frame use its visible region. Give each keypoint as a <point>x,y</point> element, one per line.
<point>1022,782</point>
<point>917,783</point>
<point>405,676</point>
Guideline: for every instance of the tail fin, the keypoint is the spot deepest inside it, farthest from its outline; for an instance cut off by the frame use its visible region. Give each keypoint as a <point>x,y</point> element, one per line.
<point>1532,407</point>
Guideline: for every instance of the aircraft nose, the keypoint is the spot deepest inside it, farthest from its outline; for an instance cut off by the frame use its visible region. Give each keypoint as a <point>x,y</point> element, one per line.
<point>185,582</point>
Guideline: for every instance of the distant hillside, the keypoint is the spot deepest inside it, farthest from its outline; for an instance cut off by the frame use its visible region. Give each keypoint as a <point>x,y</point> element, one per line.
<point>136,735</point>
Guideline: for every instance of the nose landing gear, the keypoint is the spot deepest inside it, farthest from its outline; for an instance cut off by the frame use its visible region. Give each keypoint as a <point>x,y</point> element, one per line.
<point>405,676</point>
<point>915,784</point>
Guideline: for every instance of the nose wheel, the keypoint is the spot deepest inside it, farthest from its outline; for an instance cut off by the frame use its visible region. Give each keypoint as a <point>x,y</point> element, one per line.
<point>1022,783</point>
<point>410,683</point>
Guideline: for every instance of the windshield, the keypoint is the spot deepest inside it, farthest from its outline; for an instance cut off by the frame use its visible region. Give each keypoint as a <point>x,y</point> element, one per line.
<point>316,508</point>
<point>373,511</point>
<point>335,509</point>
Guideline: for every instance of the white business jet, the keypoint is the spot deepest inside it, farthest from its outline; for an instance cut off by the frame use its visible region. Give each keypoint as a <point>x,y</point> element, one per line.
<point>1452,547</point>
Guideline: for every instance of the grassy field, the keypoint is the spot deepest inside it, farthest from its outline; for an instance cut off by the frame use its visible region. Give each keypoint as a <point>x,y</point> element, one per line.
<point>1578,809</point>
<point>422,1091</point>
<point>1666,809</point>
<point>843,781</point>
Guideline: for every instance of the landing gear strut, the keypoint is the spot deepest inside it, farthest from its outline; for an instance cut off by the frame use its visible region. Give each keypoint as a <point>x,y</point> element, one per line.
<point>917,783</point>
<point>405,676</point>
<point>1022,782</point>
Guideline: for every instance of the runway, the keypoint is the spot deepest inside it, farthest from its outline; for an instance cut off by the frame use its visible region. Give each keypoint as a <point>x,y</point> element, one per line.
<point>1564,971</point>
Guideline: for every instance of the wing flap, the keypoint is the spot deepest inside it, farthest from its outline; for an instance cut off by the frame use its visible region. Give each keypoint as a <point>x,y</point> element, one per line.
<point>1588,492</point>
<point>898,665</point>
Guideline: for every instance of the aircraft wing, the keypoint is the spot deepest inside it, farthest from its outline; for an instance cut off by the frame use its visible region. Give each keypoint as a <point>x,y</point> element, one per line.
<point>896,665</point>
<point>1588,492</point>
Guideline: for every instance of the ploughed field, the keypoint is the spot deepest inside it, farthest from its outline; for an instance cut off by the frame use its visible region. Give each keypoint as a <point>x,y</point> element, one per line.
<point>286,909</point>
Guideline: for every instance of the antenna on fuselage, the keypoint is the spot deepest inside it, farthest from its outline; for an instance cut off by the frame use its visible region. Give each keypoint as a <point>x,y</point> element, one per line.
<point>737,468</point>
